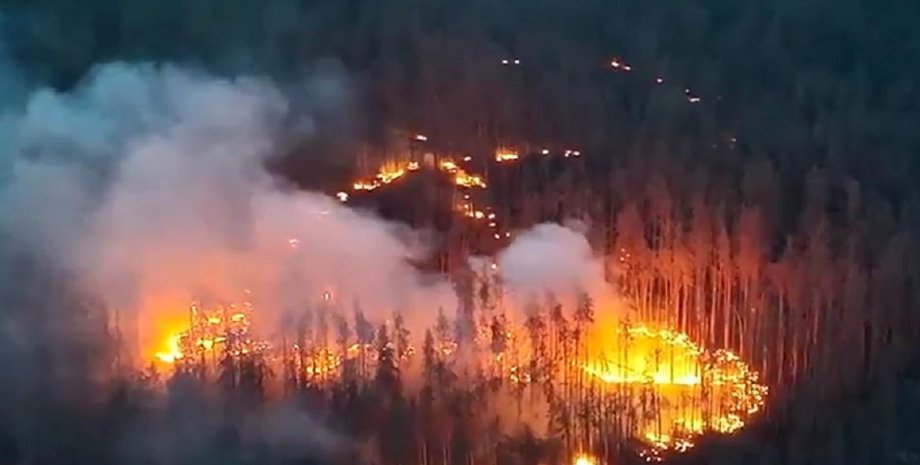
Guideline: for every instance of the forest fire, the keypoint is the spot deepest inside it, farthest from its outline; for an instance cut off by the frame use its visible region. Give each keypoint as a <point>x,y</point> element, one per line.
<point>649,387</point>
<point>676,390</point>
<point>735,185</point>
<point>695,391</point>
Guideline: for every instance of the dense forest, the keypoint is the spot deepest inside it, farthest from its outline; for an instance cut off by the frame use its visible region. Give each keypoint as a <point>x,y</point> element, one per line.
<point>749,181</point>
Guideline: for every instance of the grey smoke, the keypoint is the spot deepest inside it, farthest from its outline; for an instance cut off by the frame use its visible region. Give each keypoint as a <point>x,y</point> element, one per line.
<point>147,184</point>
<point>145,187</point>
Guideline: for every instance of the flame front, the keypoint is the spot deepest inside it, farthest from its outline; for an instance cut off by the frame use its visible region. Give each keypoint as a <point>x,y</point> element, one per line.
<point>695,391</point>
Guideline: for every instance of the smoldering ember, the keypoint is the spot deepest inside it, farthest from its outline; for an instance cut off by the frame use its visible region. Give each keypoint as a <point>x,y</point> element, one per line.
<point>459,233</point>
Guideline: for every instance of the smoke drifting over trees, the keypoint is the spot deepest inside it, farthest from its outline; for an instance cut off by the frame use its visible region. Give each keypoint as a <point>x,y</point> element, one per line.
<point>782,211</point>
<point>144,189</point>
<point>149,183</point>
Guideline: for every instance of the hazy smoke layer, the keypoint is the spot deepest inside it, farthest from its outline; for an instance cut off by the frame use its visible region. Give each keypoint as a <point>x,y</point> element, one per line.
<point>148,185</point>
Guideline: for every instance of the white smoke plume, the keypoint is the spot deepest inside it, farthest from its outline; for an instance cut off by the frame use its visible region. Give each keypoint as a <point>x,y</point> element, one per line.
<point>146,188</point>
<point>147,184</point>
<point>555,261</point>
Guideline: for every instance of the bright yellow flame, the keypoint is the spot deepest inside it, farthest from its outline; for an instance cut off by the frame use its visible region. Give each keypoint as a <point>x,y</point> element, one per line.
<point>448,165</point>
<point>173,352</point>
<point>506,154</point>
<point>463,179</point>
<point>388,176</point>
<point>584,459</point>
<point>202,329</point>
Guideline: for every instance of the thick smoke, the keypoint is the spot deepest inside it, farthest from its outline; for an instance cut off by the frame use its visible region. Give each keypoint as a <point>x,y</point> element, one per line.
<point>147,184</point>
<point>146,187</point>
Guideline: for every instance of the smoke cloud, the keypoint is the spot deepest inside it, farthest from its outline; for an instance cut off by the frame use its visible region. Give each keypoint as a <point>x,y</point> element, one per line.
<point>147,184</point>
<point>556,261</point>
<point>145,188</point>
